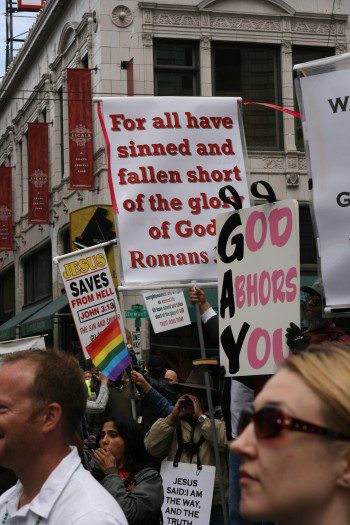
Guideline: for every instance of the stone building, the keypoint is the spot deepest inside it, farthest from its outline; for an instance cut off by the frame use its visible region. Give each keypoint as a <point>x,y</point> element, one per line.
<point>205,48</point>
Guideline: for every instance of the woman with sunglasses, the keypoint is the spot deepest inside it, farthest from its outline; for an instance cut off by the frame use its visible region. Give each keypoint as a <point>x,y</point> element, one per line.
<point>295,443</point>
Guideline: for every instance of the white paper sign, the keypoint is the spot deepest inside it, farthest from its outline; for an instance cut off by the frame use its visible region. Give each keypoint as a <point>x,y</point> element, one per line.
<point>258,282</point>
<point>136,343</point>
<point>168,158</point>
<point>91,293</point>
<point>188,493</point>
<point>167,309</point>
<point>326,103</point>
<point>20,345</point>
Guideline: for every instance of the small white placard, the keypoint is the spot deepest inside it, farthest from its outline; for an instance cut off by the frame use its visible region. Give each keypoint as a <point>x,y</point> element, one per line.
<point>188,493</point>
<point>166,309</point>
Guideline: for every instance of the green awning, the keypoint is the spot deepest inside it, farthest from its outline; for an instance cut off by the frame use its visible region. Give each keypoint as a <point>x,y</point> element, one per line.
<point>42,320</point>
<point>8,329</point>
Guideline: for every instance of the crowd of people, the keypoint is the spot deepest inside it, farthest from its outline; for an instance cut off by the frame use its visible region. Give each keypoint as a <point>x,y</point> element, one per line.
<point>71,451</point>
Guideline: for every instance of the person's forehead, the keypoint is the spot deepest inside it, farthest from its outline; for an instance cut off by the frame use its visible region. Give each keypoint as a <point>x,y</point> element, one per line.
<point>289,391</point>
<point>109,425</point>
<point>17,376</point>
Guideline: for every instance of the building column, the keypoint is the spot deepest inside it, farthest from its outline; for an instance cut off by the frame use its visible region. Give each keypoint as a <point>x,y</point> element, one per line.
<point>287,94</point>
<point>205,67</point>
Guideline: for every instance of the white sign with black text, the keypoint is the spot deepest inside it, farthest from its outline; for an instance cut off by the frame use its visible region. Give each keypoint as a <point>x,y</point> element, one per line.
<point>188,493</point>
<point>326,126</point>
<point>167,309</point>
<point>91,293</point>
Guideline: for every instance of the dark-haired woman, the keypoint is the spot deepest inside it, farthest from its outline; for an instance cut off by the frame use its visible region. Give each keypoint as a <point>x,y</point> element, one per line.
<point>123,459</point>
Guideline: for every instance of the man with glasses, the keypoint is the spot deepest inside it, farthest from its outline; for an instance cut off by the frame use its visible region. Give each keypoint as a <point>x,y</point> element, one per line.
<point>319,329</point>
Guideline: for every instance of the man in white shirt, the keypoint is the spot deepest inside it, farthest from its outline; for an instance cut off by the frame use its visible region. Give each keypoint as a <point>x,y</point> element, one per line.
<point>42,400</point>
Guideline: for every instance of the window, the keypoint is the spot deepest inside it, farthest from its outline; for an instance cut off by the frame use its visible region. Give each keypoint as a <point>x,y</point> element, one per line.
<point>176,68</point>
<point>85,61</point>
<point>7,294</point>
<point>38,275</point>
<point>308,250</point>
<point>252,72</point>
<point>43,117</point>
<point>303,54</point>
<point>65,240</point>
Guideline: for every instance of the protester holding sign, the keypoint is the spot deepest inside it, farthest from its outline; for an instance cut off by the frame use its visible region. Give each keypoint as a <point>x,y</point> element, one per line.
<point>319,328</point>
<point>295,444</point>
<point>127,476</point>
<point>237,393</point>
<point>185,435</point>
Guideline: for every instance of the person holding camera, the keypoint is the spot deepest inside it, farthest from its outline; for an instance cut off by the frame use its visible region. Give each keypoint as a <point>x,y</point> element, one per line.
<point>184,436</point>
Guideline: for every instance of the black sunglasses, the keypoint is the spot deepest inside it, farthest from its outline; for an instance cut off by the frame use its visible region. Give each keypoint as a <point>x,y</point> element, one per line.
<point>269,422</point>
<point>316,300</point>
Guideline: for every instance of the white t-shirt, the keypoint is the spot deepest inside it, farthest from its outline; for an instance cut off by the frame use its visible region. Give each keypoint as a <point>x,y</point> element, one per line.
<point>70,496</point>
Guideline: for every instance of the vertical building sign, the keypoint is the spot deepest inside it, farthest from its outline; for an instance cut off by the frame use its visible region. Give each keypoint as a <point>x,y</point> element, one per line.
<point>80,129</point>
<point>5,209</point>
<point>130,78</point>
<point>38,173</point>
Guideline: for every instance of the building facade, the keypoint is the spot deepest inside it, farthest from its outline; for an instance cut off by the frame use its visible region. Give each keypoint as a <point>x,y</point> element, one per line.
<point>193,48</point>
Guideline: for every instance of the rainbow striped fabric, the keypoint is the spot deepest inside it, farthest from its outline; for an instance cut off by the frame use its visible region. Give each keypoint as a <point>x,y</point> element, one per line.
<point>108,351</point>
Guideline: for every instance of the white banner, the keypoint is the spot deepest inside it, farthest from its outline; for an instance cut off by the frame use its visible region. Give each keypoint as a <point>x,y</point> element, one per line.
<point>168,158</point>
<point>188,493</point>
<point>91,293</point>
<point>325,99</point>
<point>20,345</point>
<point>167,310</point>
<point>258,285</point>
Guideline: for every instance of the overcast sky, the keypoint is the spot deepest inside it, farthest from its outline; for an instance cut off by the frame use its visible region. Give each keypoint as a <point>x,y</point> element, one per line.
<point>21,23</point>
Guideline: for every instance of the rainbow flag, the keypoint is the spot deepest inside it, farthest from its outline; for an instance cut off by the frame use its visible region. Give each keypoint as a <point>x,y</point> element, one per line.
<point>108,351</point>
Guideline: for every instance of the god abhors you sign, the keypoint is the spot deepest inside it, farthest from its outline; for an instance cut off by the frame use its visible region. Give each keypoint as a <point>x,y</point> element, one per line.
<point>168,158</point>
<point>258,282</point>
<point>188,493</point>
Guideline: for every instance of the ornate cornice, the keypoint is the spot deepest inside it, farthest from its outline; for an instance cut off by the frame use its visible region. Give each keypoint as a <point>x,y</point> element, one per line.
<point>158,19</point>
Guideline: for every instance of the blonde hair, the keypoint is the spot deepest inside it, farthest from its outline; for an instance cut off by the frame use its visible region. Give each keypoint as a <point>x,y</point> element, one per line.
<point>325,368</point>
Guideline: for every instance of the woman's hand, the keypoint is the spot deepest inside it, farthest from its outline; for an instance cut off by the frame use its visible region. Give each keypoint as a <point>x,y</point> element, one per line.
<point>103,379</point>
<point>104,459</point>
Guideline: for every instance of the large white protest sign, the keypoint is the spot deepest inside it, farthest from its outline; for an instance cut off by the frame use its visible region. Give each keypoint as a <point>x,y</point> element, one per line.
<point>324,97</point>
<point>258,282</point>
<point>167,309</point>
<point>90,291</point>
<point>168,158</point>
<point>188,493</point>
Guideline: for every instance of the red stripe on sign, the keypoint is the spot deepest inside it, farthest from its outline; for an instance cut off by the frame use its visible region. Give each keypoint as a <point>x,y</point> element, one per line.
<point>274,106</point>
<point>105,134</point>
